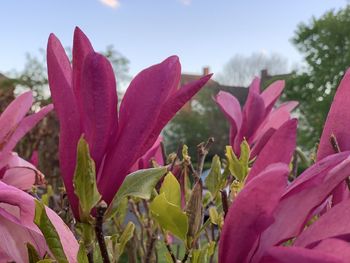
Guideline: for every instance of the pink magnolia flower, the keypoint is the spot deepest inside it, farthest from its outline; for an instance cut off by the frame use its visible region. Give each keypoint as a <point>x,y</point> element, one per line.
<point>258,120</point>
<point>269,221</point>
<point>338,124</point>
<point>85,98</point>
<point>14,124</point>
<point>17,210</point>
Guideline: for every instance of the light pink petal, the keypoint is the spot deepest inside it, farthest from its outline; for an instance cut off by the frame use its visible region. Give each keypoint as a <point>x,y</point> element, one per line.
<point>338,120</point>
<point>81,48</point>
<point>297,255</point>
<point>334,222</point>
<point>251,213</point>
<point>99,105</point>
<point>13,115</point>
<point>289,105</point>
<point>21,174</point>
<point>231,107</point>
<point>301,199</point>
<point>25,126</point>
<point>279,148</point>
<point>271,94</point>
<point>60,82</point>
<point>139,113</point>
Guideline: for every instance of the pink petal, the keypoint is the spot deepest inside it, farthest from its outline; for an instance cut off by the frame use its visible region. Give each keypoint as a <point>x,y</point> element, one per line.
<point>338,120</point>
<point>13,115</point>
<point>334,222</point>
<point>99,105</point>
<point>21,174</point>
<point>251,213</point>
<point>271,94</point>
<point>231,107</point>
<point>297,255</point>
<point>336,247</point>
<point>139,113</point>
<point>279,148</point>
<point>25,126</point>
<point>155,153</point>
<point>81,48</point>
<point>304,195</point>
<point>60,81</point>
<point>261,142</point>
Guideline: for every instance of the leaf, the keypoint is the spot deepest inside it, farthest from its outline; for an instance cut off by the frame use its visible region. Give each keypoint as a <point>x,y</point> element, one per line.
<point>214,180</point>
<point>127,234</point>
<point>194,211</point>
<point>50,234</point>
<point>138,184</point>
<point>170,217</point>
<point>239,167</point>
<point>171,188</point>
<point>213,215</point>
<point>33,255</point>
<point>85,181</point>
<point>82,257</point>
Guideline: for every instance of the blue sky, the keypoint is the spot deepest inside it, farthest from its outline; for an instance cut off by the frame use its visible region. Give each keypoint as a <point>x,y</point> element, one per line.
<point>200,32</point>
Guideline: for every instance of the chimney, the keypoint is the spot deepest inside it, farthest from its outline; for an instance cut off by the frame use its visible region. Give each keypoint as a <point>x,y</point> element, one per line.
<point>206,71</point>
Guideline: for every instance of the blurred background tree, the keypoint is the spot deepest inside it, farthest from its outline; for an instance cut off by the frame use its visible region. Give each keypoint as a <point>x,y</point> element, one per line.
<point>325,45</point>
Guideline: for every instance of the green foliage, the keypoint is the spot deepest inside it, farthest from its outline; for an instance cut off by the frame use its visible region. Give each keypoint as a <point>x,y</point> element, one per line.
<point>48,229</point>
<point>169,216</point>
<point>215,179</point>
<point>239,167</point>
<point>33,255</point>
<point>84,181</point>
<point>138,184</point>
<point>325,45</point>
<point>82,257</point>
<point>171,188</point>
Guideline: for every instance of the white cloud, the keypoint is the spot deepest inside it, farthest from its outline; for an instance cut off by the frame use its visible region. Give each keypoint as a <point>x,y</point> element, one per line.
<point>186,2</point>
<point>111,3</point>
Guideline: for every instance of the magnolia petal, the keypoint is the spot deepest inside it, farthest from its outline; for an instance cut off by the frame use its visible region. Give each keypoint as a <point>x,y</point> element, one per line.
<point>334,222</point>
<point>13,115</point>
<point>336,247</point>
<point>338,120</point>
<point>251,213</point>
<point>21,174</point>
<point>311,193</point>
<point>139,113</point>
<point>231,107</point>
<point>25,126</point>
<point>279,148</point>
<point>60,82</point>
<point>155,154</point>
<point>261,142</point>
<point>296,254</point>
<point>271,94</point>
<point>81,48</point>
<point>99,104</point>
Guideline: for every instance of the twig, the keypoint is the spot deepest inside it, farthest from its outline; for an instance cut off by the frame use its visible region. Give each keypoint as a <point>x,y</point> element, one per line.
<point>150,247</point>
<point>203,149</point>
<point>178,152</point>
<point>100,211</point>
<point>224,201</point>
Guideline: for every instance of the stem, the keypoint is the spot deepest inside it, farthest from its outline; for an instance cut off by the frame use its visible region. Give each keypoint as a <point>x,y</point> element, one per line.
<point>203,150</point>
<point>150,247</point>
<point>100,211</point>
<point>224,201</point>
<point>185,256</point>
<point>90,256</point>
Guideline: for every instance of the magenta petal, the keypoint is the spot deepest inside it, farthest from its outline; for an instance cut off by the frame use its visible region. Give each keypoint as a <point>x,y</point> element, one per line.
<point>99,104</point>
<point>25,126</point>
<point>279,148</point>
<point>334,222</point>
<point>336,247</point>
<point>81,48</point>
<point>60,81</point>
<point>139,112</point>
<point>231,107</point>
<point>261,142</point>
<point>304,195</point>
<point>338,120</point>
<point>21,174</point>
<point>297,255</point>
<point>13,115</point>
<point>271,94</point>
<point>251,213</point>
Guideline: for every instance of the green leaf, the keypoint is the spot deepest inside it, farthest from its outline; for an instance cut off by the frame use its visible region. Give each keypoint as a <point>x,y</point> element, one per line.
<point>33,255</point>
<point>127,234</point>
<point>171,188</point>
<point>138,184</point>
<point>47,260</point>
<point>82,257</point>
<point>170,217</point>
<point>239,167</point>
<point>50,234</point>
<point>85,181</point>
<point>214,180</point>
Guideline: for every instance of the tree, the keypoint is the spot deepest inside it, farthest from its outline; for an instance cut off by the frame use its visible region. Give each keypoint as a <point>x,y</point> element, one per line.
<point>240,70</point>
<point>325,45</point>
